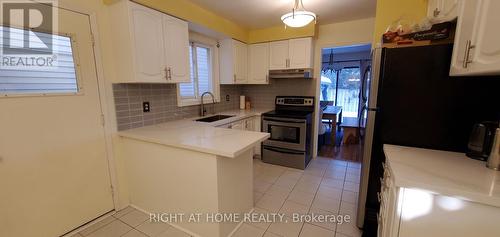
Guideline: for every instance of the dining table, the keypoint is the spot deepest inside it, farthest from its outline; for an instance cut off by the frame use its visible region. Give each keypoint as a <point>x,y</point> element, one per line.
<point>333,113</point>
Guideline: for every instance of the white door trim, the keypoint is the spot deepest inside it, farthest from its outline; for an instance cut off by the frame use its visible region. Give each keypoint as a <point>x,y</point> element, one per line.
<point>105,89</point>
<point>318,57</point>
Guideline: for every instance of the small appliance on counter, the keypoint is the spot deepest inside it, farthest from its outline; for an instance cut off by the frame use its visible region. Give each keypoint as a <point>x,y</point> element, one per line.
<point>290,128</point>
<point>494,159</point>
<point>242,102</point>
<point>481,140</point>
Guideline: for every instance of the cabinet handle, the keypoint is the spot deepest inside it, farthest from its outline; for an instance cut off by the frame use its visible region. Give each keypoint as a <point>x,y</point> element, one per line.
<point>170,73</point>
<point>468,47</point>
<point>267,78</point>
<point>166,73</point>
<point>436,12</point>
<point>234,77</point>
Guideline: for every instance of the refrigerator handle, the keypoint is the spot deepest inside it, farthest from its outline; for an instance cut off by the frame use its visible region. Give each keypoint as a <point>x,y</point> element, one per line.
<point>363,83</point>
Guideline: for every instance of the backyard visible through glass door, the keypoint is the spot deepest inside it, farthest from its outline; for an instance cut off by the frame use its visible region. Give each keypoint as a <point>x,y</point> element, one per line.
<point>342,91</point>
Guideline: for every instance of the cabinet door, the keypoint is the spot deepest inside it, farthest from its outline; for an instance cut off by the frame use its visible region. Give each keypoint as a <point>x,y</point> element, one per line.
<point>240,61</point>
<point>486,55</point>
<point>249,124</point>
<point>300,53</point>
<point>449,9</point>
<point>258,65</point>
<point>433,8</point>
<point>148,46</point>
<point>257,125</point>
<point>476,50</point>
<point>239,125</point>
<point>278,55</point>
<point>177,49</point>
<point>443,10</point>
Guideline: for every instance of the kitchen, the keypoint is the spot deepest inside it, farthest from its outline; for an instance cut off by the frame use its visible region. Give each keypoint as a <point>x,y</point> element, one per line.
<point>137,135</point>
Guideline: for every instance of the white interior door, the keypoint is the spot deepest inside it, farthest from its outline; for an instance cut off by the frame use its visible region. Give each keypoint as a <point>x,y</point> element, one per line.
<point>54,173</point>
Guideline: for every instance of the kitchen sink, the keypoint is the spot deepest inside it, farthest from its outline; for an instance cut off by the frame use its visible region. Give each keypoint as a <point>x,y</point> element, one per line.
<point>214,118</point>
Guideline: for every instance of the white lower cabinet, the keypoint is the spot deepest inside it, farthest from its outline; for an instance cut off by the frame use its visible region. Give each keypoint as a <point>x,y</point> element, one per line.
<point>257,128</point>
<point>248,124</point>
<point>408,212</point>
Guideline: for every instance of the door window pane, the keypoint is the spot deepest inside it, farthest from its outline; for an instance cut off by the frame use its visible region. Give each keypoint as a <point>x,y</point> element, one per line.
<point>22,74</point>
<point>349,85</point>
<point>328,85</point>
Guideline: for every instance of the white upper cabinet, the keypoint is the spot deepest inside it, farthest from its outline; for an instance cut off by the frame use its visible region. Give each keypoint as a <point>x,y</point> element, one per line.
<point>176,35</point>
<point>278,55</point>
<point>442,10</point>
<point>258,63</point>
<point>300,53</point>
<point>149,46</point>
<point>476,50</point>
<point>233,62</point>
<point>149,57</point>
<point>291,54</point>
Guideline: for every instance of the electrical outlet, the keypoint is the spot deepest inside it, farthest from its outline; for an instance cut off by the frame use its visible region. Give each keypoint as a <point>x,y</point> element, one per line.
<point>145,107</point>
<point>227,98</point>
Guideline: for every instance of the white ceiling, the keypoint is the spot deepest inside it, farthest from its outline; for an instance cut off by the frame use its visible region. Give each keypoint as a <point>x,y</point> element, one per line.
<point>255,14</point>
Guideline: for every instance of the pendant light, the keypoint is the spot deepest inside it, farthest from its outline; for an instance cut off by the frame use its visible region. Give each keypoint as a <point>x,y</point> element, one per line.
<point>299,16</point>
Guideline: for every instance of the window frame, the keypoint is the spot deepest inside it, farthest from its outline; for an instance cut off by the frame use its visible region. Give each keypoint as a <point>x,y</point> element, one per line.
<point>76,62</point>
<point>205,42</point>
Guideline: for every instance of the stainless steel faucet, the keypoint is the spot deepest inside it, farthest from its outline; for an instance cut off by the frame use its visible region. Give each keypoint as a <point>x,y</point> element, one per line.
<point>203,111</point>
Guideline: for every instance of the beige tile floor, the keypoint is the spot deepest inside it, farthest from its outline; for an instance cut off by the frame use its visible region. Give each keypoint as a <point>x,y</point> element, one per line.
<point>327,186</point>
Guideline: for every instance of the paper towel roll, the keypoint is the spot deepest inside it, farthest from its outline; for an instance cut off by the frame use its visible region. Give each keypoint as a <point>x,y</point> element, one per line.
<point>242,102</point>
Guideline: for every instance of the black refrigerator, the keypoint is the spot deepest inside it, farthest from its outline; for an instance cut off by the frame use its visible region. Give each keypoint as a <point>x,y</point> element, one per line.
<point>413,101</point>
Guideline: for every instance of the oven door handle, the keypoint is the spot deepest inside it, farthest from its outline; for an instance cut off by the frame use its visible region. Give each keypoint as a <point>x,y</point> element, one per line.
<point>283,121</point>
<point>284,151</point>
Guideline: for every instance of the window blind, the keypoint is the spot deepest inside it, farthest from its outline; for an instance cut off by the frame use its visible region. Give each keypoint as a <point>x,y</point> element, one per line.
<point>58,78</point>
<point>203,63</point>
<point>201,73</point>
<point>187,90</point>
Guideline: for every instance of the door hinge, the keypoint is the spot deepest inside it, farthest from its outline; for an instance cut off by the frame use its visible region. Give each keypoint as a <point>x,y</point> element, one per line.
<point>103,121</point>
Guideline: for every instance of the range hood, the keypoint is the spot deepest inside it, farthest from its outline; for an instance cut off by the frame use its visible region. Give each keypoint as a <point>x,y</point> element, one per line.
<point>305,73</point>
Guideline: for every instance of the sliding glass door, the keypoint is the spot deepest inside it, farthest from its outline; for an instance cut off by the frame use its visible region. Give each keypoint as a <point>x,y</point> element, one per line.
<point>341,88</point>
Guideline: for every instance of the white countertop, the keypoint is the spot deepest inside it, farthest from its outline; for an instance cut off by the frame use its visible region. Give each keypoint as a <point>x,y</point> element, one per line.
<point>445,173</point>
<point>202,137</point>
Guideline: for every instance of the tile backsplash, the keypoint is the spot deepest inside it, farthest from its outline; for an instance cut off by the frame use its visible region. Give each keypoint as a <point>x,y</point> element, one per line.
<point>263,96</point>
<point>163,102</point>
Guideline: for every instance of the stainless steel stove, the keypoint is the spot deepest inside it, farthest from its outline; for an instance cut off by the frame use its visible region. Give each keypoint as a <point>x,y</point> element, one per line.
<point>290,127</point>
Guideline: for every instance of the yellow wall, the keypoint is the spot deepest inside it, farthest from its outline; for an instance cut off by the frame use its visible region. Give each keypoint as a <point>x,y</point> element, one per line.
<point>389,11</point>
<point>280,33</point>
<point>191,12</point>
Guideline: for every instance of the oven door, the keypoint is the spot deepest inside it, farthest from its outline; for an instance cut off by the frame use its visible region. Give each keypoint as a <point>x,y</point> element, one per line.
<point>285,133</point>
